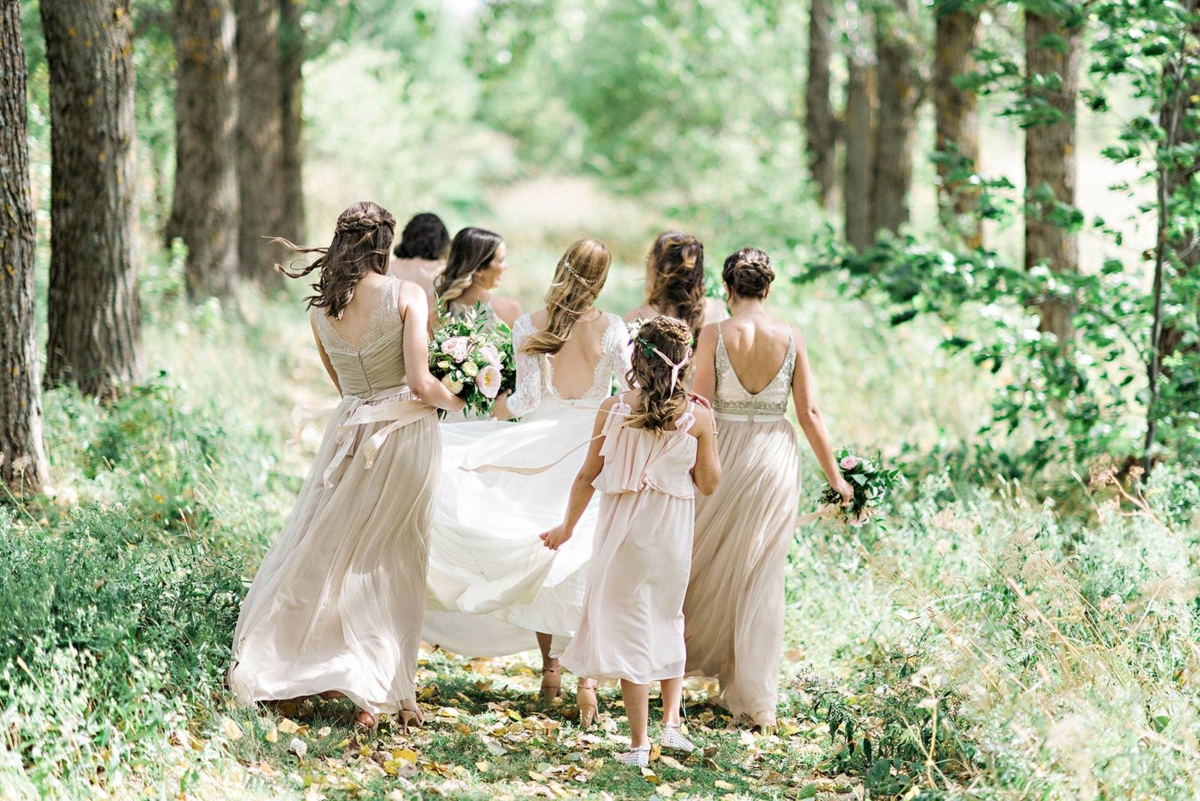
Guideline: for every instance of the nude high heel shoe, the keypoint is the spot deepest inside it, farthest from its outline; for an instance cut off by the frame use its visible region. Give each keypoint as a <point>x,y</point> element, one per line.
<point>585,700</point>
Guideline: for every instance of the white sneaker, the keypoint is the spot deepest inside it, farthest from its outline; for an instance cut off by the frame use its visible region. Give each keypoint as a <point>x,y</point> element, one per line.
<point>672,739</point>
<point>638,757</point>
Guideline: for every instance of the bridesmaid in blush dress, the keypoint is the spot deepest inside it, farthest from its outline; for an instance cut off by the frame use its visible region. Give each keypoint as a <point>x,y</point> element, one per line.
<point>474,269</point>
<point>652,450</point>
<point>337,605</point>
<point>421,251</point>
<point>747,366</point>
<point>675,283</point>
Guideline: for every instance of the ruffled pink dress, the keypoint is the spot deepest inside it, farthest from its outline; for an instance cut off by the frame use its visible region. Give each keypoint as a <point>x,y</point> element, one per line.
<point>632,625</point>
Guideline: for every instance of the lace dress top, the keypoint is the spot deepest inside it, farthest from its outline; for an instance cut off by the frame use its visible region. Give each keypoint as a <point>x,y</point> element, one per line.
<point>734,402</point>
<point>374,366</point>
<point>535,373</point>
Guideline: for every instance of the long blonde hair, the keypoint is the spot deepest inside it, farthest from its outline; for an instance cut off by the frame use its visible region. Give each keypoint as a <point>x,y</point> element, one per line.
<point>662,354</point>
<point>578,279</point>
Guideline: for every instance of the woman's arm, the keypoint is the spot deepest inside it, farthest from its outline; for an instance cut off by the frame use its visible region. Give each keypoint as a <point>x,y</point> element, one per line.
<point>528,393</point>
<point>705,381</point>
<point>581,489</point>
<point>811,421</point>
<point>707,472</point>
<point>312,319</point>
<point>414,312</point>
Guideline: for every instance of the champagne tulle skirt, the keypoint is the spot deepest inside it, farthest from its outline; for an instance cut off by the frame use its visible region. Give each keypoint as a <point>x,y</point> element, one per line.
<point>734,607</point>
<point>339,599</point>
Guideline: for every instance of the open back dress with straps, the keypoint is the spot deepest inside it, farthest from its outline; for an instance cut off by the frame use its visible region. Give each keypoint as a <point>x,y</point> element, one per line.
<point>338,601</point>
<point>735,600</point>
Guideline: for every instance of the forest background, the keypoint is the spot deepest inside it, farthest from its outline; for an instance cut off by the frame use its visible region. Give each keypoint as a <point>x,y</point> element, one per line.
<point>984,215</point>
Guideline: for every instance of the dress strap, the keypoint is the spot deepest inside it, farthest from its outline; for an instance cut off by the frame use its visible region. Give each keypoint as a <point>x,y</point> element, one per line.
<point>686,420</point>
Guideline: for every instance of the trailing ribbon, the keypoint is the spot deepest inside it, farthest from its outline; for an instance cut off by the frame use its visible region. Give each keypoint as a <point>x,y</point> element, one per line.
<point>399,412</point>
<point>675,368</point>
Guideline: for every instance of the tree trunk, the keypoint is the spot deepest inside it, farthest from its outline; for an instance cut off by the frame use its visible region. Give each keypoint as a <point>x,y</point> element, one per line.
<point>891,175</point>
<point>957,118</point>
<point>22,452</point>
<point>205,208</point>
<point>94,312</point>
<point>260,137</point>
<point>291,66</point>
<point>820,127</point>
<point>859,119</point>
<point>1050,157</point>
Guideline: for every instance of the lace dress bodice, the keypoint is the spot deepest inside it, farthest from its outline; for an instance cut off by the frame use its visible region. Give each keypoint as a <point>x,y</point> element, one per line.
<point>373,366</point>
<point>734,402</point>
<point>535,374</point>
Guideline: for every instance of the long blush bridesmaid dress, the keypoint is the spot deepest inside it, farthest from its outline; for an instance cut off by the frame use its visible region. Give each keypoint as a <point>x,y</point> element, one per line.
<point>339,599</point>
<point>735,600</point>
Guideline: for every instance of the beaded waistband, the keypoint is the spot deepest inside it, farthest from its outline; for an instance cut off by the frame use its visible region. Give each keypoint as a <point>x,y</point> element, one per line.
<point>750,417</point>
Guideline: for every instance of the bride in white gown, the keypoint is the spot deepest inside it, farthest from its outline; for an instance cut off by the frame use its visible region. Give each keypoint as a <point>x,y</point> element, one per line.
<point>493,588</point>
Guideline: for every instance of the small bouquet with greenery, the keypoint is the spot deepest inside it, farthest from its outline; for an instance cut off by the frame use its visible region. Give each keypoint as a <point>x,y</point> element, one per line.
<point>871,486</point>
<point>473,363</point>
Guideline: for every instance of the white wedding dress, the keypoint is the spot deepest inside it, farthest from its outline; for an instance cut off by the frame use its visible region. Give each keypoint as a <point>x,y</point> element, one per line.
<point>492,584</point>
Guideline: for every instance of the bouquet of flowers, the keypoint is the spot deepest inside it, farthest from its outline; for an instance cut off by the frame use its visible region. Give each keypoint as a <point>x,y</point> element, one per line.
<point>474,364</point>
<point>871,485</point>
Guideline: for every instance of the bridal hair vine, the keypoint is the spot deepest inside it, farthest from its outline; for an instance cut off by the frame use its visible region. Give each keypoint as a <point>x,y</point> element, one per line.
<point>567,264</point>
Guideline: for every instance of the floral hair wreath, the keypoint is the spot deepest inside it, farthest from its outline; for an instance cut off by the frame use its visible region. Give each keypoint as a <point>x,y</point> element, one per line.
<point>650,350</point>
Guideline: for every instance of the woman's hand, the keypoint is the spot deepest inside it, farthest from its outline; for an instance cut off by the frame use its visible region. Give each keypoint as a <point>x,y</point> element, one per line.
<point>842,487</point>
<point>555,537</point>
<point>500,407</point>
<point>699,400</point>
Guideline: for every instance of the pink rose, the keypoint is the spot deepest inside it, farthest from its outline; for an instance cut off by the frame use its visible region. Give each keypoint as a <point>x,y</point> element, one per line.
<point>849,463</point>
<point>457,347</point>
<point>488,381</point>
<point>490,353</point>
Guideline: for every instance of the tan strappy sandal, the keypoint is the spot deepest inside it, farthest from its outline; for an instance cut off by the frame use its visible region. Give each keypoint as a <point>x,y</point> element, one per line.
<point>551,683</point>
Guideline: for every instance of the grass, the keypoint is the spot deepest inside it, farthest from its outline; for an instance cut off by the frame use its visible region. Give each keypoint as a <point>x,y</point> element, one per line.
<point>980,644</point>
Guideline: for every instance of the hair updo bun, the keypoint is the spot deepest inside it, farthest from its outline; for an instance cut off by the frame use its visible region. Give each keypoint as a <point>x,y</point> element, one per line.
<point>748,273</point>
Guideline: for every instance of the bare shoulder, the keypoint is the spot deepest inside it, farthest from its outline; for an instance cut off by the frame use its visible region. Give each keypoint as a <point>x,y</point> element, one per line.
<point>539,319</point>
<point>704,421</point>
<point>714,311</point>
<point>708,335</point>
<point>507,309</point>
<point>409,294</point>
<point>635,314</point>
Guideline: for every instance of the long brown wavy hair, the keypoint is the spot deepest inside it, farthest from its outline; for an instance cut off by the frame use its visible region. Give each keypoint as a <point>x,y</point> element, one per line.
<point>578,279</point>
<point>659,403</point>
<point>676,267</point>
<point>471,251</point>
<point>361,241</point>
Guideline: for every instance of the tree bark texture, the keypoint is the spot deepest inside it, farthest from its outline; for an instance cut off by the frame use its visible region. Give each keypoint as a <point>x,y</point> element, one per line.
<point>205,208</point>
<point>1182,125</point>
<point>957,116</point>
<point>291,73</point>
<point>260,137</point>
<point>94,312</point>
<point>859,119</point>
<point>1052,74</point>
<point>22,450</point>
<point>820,126</point>
<point>891,175</point>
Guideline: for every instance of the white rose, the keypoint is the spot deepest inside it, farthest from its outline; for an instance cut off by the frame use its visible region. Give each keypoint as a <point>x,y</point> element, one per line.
<point>449,383</point>
<point>470,368</point>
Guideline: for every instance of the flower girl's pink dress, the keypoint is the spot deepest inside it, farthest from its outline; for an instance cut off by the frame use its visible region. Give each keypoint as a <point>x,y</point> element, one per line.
<point>632,626</point>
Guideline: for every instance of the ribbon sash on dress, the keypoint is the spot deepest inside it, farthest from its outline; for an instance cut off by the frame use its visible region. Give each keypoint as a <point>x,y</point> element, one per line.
<point>400,412</point>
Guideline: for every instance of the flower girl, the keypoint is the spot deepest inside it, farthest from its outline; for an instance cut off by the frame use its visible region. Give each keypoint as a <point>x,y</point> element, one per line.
<point>652,449</point>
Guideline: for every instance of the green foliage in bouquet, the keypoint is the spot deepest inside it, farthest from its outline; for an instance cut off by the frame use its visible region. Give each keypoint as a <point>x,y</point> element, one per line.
<point>871,486</point>
<point>472,362</point>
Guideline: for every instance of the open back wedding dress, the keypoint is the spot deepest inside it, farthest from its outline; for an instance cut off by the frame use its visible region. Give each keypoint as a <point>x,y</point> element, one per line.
<point>492,584</point>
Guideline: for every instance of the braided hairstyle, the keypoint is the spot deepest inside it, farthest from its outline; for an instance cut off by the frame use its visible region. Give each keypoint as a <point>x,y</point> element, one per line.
<point>748,273</point>
<point>425,237</point>
<point>361,241</point>
<point>471,251</point>
<point>676,268</point>
<point>578,279</point>
<point>660,403</point>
